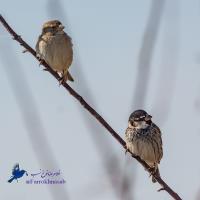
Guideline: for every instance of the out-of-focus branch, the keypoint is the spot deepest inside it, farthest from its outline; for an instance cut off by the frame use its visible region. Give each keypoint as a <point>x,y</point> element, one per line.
<point>107,154</point>
<point>198,195</point>
<point>169,62</point>
<point>91,110</point>
<point>128,181</point>
<point>30,116</point>
<point>146,53</point>
<point>148,43</point>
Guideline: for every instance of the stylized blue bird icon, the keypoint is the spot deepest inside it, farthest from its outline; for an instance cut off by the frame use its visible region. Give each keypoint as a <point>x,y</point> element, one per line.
<point>17,173</point>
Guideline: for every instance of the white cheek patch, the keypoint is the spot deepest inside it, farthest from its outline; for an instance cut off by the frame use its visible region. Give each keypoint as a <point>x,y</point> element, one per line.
<point>141,125</point>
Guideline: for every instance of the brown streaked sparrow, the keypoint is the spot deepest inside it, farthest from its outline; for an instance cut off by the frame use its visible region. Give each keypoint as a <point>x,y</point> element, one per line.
<point>143,138</point>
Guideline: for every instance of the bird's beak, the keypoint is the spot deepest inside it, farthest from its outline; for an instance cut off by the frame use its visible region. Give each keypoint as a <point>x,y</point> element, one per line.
<point>148,117</point>
<point>61,27</point>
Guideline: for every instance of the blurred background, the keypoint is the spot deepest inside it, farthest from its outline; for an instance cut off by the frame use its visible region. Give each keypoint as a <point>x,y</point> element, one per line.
<point>127,55</point>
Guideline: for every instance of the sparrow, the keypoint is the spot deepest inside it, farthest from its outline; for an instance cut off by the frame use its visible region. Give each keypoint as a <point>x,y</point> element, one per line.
<point>143,138</point>
<point>55,47</point>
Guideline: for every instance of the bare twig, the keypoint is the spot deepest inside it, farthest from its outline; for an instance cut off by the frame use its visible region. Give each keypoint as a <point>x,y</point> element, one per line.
<point>89,109</point>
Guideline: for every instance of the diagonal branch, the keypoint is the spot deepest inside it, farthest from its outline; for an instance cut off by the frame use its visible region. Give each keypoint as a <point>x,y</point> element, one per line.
<point>89,109</point>
<point>146,52</point>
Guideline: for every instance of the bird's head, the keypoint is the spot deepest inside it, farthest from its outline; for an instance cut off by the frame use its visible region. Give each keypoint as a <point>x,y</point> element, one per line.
<point>53,27</point>
<point>139,119</point>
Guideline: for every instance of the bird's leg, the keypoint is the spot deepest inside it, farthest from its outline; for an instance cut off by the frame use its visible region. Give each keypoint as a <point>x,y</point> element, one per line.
<point>40,59</point>
<point>154,172</point>
<point>126,151</point>
<point>63,77</point>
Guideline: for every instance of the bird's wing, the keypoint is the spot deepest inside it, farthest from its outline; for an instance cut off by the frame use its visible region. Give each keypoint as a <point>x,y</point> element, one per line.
<point>158,136</point>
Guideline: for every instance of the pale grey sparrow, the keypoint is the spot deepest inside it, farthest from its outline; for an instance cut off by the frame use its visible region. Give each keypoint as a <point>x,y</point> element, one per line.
<point>55,47</point>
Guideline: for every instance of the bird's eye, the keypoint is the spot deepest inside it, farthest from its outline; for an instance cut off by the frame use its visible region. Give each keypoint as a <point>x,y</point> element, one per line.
<point>132,123</point>
<point>48,29</point>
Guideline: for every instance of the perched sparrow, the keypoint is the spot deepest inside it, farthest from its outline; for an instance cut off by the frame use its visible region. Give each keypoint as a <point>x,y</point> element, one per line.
<point>55,47</point>
<point>143,138</point>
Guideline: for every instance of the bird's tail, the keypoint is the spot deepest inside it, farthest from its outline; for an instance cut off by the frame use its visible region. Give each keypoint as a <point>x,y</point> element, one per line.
<point>157,173</point>
<point>69,77</point>
<point>11,179</point>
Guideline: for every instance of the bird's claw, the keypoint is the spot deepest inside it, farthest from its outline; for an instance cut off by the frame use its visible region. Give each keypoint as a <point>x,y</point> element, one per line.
<point>62,79</point>
<point>40,62</point>
<point>126,150</point>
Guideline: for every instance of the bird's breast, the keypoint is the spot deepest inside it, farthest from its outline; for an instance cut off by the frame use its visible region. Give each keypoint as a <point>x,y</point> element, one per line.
<point>144,145</point>
<point>57,52</point>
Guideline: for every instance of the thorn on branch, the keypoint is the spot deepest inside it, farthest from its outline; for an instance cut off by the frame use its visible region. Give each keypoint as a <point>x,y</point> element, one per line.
<point>18,38</point>
<point>25,51</point>
<point>46,70</point>
<point>161,189</point>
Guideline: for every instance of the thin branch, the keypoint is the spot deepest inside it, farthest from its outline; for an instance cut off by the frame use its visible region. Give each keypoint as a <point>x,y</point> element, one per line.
<point>89,109</point>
